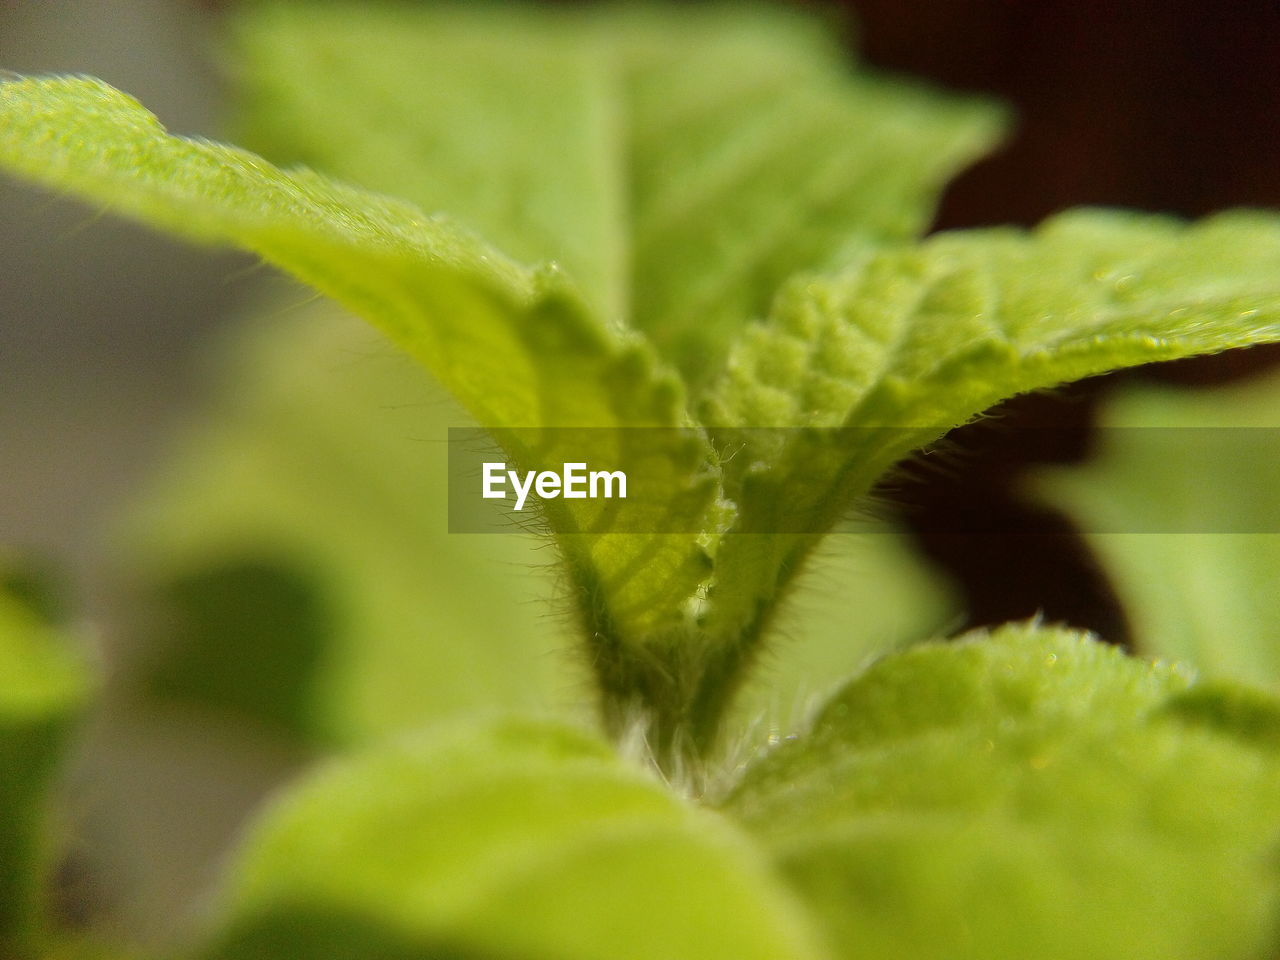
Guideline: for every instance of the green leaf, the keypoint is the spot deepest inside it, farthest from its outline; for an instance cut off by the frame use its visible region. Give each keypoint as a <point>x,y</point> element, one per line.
<point>680,163</point>
<point>906,344</point>
<point>515,345</point>
<point>293,562</point>
<point>685,209</point>
<point>43,684</point>
<point>1180,504</point>
<point>1028,794</point>
<point>291,565</point>
<point>502,840</point>
<point>475,318</point>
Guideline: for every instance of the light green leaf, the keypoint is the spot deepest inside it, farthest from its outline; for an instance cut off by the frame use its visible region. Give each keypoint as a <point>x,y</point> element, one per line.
<point>515,345</point>
<point>1180,504</point>
<point>506,841</point>
<point>43,684</point>
<point>1028,794</point>
<point>685,208</point>
<point>292,567</point>
<point>905,344</point>
<point>680,163</point>
<point>295,559</point>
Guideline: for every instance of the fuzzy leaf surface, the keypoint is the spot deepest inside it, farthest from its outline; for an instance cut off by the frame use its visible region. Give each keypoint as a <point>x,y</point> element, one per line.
<point>858,369</point>
<point>1032,793</point>
<point>505,840</point>
<point>635,211</point>
<point>296,565</point>
<point>516,345</point>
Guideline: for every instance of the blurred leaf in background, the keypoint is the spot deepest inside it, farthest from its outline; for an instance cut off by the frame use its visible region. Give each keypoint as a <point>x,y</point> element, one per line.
<point>1182,506</point>
<point>44,682</point>
<point>308,507</point>
<point>501,839</point>
<point>680,163</point>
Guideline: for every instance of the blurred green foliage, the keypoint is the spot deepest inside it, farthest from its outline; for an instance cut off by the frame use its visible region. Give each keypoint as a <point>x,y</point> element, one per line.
<point>43,686</point>
<point>1180,504</point>
<point>512,839</point>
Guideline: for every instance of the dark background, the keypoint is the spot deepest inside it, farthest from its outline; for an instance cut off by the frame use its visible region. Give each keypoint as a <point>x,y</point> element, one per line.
<point>1167,106</point>
<point>1164,106</point>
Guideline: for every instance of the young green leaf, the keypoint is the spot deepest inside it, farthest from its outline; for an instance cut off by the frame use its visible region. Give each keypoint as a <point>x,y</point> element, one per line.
<point>918,341</point>
<point>645,200</point>
<point>887,356</point>
<point>679,163</point>
<point>515,345</point>
<point>294,566</point>
<point>43,685</point>
<point>1180,504</point>
<point>1028,794</point>
<point>507,841</point>
<point>504,338</point>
